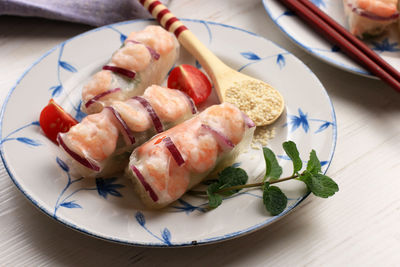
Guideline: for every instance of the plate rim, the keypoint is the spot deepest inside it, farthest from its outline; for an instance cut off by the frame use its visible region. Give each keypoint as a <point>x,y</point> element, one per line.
<point>204,241</point>
<point>326,59</point>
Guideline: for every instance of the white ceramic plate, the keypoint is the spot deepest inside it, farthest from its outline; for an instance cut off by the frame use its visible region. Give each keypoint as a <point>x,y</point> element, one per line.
<point>107,208</point>
<point>387,45</point>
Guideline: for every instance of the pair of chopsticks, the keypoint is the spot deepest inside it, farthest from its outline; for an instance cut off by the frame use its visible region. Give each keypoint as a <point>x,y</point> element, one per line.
<point>347,42</point>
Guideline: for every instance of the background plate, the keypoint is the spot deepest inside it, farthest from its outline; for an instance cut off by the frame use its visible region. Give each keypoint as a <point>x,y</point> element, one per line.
<point>387,45</point>
<point>107,208</point>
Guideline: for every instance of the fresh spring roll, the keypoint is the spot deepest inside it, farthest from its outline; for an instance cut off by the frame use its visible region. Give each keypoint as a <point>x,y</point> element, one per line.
<point>172,162</point>
<point>370,17</point>
<point>101,143</point>
<point>144,59</point>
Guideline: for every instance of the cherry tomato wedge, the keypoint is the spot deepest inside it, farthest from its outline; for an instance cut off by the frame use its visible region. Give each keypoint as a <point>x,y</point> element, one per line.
<point>190,80</point>
<point>54,120</point>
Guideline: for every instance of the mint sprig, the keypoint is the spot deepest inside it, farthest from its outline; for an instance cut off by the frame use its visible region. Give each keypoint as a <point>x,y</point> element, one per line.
<point>275,201</point>
<point>291,150</point>
<point>214,199</point>
<point>228,180</point>
<point>313,164</point>
<point>273,170</point>
<point>231,180</point>
<point>319,184</point>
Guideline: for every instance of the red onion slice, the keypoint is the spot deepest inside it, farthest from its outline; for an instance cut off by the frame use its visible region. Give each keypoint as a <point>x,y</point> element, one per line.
<point>174,151</point>
<point>192,105</point>
<point>249,123</point>
<point>124,129</point>
<point>153,115</point>
<point>85,162</point>
<point>128,73</point>
<point>222,140</point>
<point>370,15</point>
<point>146,186</point>
<point>153,52</point>
<point>97,97</point>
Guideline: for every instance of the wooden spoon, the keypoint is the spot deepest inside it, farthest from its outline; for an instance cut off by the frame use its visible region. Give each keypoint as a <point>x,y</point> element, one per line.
<point>262,103</point>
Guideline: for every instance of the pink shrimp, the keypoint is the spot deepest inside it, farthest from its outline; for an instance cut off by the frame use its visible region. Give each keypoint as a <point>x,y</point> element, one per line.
<point>199,148</point>
<point>169,104</point>
<point>99,83</point>
<point>163,173</point>
<point>157,168</point>
<point>134,114</point>
<point>178,181</point>
<point>155,37</point>
<point>383,8</point>
<point>135,57</point>
<point>229,118</point>
<point>95,137</point>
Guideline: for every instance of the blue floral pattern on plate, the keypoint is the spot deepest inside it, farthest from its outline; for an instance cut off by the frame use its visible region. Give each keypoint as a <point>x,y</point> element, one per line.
<point>103,186</point>
<point>385,45</point>
<point>165,236</point>
<point>254,58</point>
<point>25,140</point>
<point>302,120</point>
<point>57,89</point>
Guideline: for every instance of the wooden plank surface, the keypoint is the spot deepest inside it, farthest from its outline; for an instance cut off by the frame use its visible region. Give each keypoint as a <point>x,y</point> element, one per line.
<point>357,227</point>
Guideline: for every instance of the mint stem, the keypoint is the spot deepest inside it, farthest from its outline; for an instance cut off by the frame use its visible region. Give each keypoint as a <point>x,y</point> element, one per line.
<point>284,179</point>
<point>236,187</point>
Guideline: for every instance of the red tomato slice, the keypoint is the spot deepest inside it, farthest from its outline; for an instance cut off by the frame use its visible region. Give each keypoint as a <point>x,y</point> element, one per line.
<point>54,120</point>
<point>190,80</point>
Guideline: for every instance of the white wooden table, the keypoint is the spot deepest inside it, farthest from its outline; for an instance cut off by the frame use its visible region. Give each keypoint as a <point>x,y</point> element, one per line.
<point>357,227</point>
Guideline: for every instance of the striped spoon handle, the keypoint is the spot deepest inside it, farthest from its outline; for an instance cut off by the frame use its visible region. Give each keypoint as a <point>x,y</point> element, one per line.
<point>211,64</point>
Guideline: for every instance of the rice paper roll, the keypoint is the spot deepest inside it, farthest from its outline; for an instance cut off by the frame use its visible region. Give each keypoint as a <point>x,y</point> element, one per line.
<point>370,17</point>
<point>100,145</point>
<point>171,163</point>
<point>143,60</point>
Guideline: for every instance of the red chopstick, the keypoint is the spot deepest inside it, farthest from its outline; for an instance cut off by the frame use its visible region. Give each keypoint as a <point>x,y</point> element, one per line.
<point>347,42</point>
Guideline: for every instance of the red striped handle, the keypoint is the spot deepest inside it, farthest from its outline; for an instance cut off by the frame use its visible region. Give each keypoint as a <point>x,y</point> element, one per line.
<point>164,16</point>
<point>210,62</point>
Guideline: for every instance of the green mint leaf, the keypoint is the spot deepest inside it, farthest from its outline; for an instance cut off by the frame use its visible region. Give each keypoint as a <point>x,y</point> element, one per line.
<point>232,176</point>
<point>291,150</point>
<point>274,199</point>
<point>212,188</point>
<point>214,200</point>
<point>274,171</point>
<point>319,184</point>
<point>313,164</point>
